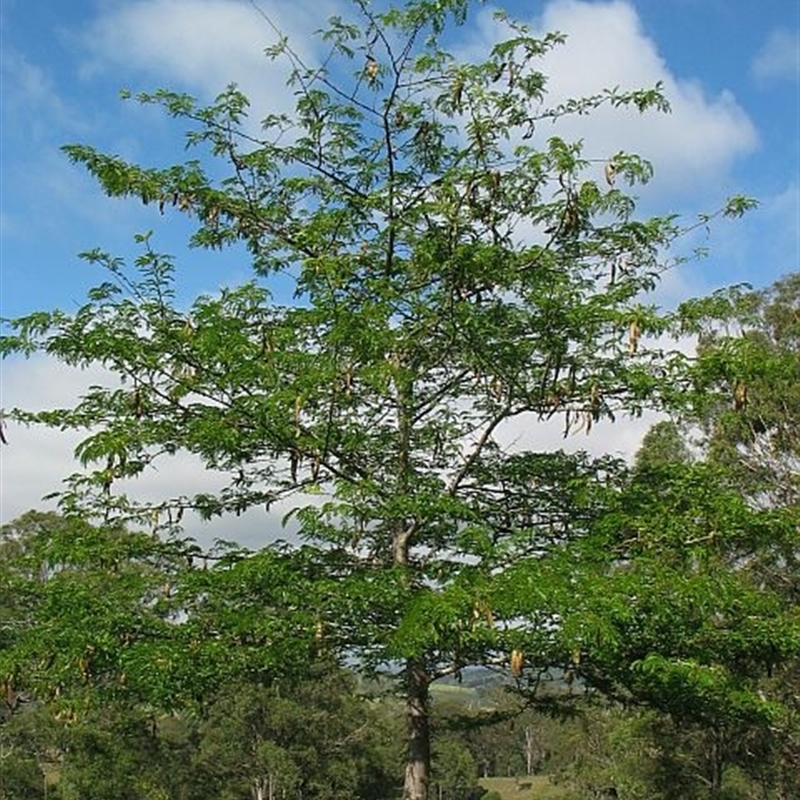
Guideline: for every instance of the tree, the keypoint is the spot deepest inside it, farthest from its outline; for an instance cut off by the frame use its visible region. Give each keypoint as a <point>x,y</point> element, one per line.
<point>750,355</point>
<point>684,619</point>
<point>91,601</point>
<point>663,444</point>
<point>312,737</point>
<point>453,273</point>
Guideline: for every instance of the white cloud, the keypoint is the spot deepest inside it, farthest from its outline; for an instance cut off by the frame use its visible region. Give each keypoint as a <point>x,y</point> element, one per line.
<point>779,57</point>
<point>607,47</point>
<point>37,459</point>
<point>206,44</point>
<point>32,106</point>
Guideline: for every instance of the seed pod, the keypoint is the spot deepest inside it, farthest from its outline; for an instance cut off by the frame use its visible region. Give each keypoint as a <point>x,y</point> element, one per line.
<point>457,91</point>
<point>298,403</point>
<point>138,404</point>
<point>315,464</point>
<point>740,396</point>
<point>634,332</point>
<point>517,662</point>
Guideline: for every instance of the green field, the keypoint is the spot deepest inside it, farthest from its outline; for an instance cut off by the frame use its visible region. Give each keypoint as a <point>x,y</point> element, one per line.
<point>533,788</point>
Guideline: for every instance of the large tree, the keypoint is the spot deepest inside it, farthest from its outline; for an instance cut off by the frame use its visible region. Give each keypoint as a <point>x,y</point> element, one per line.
<point>750,358</point>
<point>456,274</point>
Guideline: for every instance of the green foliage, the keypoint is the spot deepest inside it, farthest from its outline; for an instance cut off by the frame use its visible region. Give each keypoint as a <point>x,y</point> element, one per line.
<point>312,737</point>
<point>431,274</point>
<point>662,445</point>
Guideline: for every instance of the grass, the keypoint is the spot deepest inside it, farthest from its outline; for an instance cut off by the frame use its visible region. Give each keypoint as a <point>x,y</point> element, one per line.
<point>536,787</point>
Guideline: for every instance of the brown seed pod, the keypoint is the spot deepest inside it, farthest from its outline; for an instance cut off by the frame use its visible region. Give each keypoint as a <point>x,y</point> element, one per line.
<point>315,464</point>
<point>138,404</point>
<point>298,405</point>
<point>634,332</point>
<point>517,662</point>
<point>740,396</point>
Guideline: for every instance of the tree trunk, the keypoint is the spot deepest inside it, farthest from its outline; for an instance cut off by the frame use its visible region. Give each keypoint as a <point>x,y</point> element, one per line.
<point>418,764</point>
<point>257,789</point>
<point>716,766</point>
<point>529,750</point>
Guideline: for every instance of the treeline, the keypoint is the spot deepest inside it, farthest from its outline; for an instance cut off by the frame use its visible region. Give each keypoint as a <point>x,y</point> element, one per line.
<point>324,737</point>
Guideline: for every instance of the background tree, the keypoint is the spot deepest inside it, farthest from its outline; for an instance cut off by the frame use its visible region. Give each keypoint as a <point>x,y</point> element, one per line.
<point>450,273</point>
<point>313,737</point>
<point>662,445</point>
<point>748,427</point>
<point>91,604</point>
<point>750,354</point>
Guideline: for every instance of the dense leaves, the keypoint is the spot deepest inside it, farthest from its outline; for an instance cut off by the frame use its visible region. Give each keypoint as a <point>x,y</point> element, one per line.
<point>433,276</point>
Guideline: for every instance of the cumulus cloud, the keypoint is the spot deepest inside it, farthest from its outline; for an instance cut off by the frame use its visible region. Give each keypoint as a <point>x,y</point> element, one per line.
<point>606,47</point>
<point>779,58</point>
<point>37,459</point>
<point>206,44</point>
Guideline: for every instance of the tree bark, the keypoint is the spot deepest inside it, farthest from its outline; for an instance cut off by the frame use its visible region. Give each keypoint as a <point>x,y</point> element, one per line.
<point>529,746</point>
<point>418,762</point>
<point>417,678</point>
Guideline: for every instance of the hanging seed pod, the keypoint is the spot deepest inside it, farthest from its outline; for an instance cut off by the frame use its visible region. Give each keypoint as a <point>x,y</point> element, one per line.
<point>298,404</point>
<point>740,396</point>
<point>517,662</point>
<point>138,403</point>
<point>315,465</point>
<point>634,332</point>
<point>457,92</point>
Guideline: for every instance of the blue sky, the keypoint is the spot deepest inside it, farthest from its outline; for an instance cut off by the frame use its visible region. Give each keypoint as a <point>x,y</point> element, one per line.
<point>730,69</point>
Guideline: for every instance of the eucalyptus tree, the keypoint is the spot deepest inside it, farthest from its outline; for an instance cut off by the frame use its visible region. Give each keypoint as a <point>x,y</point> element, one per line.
<point>457,273</point>
<point>750,357</point>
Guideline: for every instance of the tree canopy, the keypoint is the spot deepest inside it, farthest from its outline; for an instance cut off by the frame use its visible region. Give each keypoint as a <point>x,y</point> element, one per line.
<point>432,271</point>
